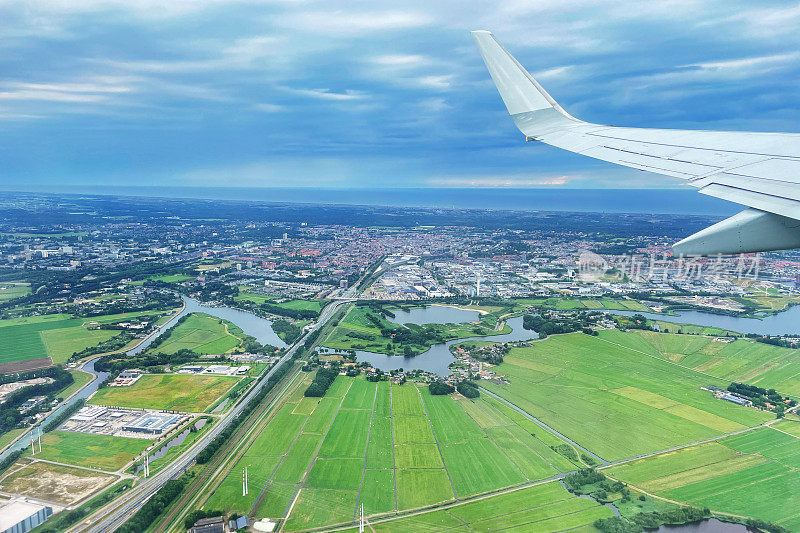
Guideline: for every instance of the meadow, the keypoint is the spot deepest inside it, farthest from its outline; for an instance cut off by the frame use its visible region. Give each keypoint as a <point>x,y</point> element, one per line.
<point>202,334</point>
<point>387,447</point>
<point>9,291</point>
<point>613,400</point>
<point>94,451</point>
<point>752,474</point>
<point>167,391</point>
<point>567,304</point>
<point>544,508</point>
<point>741,360</point>
<point>56,336</point>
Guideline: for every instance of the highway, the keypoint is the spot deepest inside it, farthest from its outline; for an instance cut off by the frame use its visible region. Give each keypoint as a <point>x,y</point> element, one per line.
<point>113,515</point>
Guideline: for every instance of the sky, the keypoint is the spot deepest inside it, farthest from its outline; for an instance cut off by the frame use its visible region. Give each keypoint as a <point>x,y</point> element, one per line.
<point>368,94</point>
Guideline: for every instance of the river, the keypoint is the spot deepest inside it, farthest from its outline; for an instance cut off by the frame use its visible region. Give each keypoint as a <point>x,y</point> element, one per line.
<point>250,324</point>
<point>438,357</point>
<point>783,323</point>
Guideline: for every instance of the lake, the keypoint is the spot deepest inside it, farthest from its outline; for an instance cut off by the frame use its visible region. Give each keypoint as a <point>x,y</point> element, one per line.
<point>438,357</point>
<point>786,322</point>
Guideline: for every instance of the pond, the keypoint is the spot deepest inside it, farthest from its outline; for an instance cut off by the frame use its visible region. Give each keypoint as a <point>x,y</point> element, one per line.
<point>177,440</point>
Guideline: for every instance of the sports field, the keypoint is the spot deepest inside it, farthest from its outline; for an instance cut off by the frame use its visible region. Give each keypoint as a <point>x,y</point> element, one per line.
<point>752,474</point>
<point>167,391</point>
<point>615,401</point>
<point>742,360</point>
<point>202,334</point>
<point>389,447</point>
<point>95,451</point>
<point>541,508</point>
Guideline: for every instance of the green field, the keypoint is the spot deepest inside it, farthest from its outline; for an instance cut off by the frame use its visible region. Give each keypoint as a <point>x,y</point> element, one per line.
<point>57,336</point>
<point>167,391</point>
<point>752,474</point>
<point>741,360</point>
<point>613,400</point>
<point>9,291</point>
<point>541,508</point>
<point>567,304</point>
<point>95,451</point>
<point>202,334</point>
<point>311,305</point>
<point>362,439</point>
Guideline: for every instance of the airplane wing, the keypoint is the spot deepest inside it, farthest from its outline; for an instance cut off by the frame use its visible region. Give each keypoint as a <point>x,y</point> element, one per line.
<point>759,170</point>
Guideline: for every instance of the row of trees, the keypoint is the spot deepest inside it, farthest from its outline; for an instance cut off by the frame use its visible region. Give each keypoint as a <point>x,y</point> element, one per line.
<point>322,381</point>
<point>9,410</point>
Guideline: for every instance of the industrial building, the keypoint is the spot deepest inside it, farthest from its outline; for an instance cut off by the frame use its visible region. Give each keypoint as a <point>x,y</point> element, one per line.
<point>20,516</point>
<point>152,423</point>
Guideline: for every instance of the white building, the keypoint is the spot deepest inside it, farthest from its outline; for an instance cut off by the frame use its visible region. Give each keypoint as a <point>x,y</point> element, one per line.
<point>19,516</point>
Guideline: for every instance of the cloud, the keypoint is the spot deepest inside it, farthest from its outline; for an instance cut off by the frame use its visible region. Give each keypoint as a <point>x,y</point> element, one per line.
<point>327,94</point>
<point>510,181</point>
<point>269,108</point>
<point>401,61</point>
<point>88,92</point>
<point>354,22</point>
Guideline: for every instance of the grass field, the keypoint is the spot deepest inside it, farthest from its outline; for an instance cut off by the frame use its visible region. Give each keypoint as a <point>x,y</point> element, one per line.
<point>168,391</point>
<point>54,483</point>
<point>9,291</point>
<point>362,439</point>
<point>614,401</point>
<point>752,474</point>
<point>566,304</point>
<point>742,360</point>
<point>542,508</point>
<point>57,336</point>
<point>95,451</point>
<point>200,333</point>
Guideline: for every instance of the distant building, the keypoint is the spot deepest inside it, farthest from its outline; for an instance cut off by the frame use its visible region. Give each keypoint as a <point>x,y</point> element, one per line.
<point>209,525</point>
<point>18,516</point>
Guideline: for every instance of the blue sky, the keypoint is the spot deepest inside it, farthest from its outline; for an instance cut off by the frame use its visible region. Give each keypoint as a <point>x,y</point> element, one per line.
<point>367,93</point>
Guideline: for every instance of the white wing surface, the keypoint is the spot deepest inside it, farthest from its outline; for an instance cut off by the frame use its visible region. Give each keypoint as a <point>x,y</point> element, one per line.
<point>759,170</point>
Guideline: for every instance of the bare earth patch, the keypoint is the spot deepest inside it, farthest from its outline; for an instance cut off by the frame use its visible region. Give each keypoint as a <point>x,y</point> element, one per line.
<point>55,483</point>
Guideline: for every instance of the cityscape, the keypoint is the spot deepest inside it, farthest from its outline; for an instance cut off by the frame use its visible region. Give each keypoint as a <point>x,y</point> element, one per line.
<point>222,368</point>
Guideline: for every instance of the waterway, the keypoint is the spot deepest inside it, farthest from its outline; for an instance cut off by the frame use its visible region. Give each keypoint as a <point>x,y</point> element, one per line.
<point>177,440</point>
<point>712,525</point>
<point>250,324</point>
<point>438,357</point>
<point>783,323</point>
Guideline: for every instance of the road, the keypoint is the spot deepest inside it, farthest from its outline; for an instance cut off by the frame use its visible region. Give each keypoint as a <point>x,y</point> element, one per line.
<point>112,516</point>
